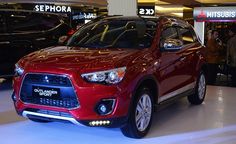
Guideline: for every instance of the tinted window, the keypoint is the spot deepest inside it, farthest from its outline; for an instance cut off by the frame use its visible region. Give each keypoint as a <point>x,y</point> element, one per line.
<point>186,35</point>
<point>2,23</point>
<point>27,21</point>
<point>194,34</point>
<point>118,33</point>
<point>169,33</point>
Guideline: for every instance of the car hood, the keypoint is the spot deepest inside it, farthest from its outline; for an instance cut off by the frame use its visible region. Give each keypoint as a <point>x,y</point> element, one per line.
<point>79,58</point>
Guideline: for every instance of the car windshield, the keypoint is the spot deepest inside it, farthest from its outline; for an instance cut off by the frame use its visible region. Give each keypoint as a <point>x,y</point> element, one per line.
<point>115,33</point>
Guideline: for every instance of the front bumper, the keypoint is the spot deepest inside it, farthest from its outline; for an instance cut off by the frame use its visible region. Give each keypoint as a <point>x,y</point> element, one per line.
<point>66,117</point>
<point>89,97</point>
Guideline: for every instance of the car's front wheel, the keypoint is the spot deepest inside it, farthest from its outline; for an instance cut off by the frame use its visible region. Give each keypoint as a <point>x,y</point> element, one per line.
<point>200,90</point>
<point>140,118</point>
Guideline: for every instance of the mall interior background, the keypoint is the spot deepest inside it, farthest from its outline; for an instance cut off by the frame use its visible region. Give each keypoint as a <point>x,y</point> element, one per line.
<point>79,12</point>
<point>214,121</point>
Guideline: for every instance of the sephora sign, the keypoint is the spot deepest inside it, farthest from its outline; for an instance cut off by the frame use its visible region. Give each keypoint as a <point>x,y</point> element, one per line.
<point>52,8</point>
<point>202,14</point>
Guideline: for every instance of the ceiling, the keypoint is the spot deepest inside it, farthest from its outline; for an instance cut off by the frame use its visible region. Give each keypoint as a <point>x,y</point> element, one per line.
<point>179,7</point>
<point>102,3</point>
<point>190,2</point>
<point>81,2</point>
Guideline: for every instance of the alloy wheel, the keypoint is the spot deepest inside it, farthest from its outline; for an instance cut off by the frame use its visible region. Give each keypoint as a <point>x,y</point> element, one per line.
<point>201,86</point>
<point>143,112</point>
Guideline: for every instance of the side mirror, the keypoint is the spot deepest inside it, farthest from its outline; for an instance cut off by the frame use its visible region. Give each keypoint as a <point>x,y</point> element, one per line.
<point>172,44</point>
<point>62,39</point>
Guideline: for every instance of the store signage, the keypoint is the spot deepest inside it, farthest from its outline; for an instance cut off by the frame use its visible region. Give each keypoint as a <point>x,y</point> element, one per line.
<point>146,10</point>
<point>52,8</point>
<point>84,15</point>
<point>214,14</point>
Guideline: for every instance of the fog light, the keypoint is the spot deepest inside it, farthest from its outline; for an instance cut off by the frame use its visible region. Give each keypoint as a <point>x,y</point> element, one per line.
<point>102,108</point>
<point>105,106</point>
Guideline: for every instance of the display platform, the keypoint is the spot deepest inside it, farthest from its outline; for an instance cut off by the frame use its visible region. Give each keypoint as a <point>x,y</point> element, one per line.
<point>179,123</point>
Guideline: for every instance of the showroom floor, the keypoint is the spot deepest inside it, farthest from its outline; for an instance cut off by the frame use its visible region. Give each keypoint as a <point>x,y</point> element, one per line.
<point>213,122</point>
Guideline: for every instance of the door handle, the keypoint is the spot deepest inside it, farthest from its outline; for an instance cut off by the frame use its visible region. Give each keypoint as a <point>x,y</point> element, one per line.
<point>40,39</point>
<point>198,53</point>
<point>182,58</point>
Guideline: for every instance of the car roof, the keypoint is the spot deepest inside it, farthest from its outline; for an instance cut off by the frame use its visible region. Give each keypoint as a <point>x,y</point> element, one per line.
<point>176,21</point>
<point>123,18</point>
<point>171,19</point>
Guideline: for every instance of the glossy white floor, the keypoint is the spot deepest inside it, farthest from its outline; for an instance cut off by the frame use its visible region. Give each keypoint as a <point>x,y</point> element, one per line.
<point>213,122</point>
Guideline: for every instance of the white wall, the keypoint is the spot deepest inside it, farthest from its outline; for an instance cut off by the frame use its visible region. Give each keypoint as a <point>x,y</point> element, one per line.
<point>200,29</point>
<point>122,7</point>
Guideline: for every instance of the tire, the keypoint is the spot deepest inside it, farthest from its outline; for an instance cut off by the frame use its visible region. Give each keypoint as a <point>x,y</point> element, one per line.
<point>200,90</point>
<point>140,119</point>
<point>39,120</point>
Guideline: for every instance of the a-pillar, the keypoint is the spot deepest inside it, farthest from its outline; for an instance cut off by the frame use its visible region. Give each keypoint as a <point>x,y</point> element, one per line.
<point>122,7</point>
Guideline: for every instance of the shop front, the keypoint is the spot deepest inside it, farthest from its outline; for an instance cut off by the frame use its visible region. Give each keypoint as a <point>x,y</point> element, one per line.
<point>76,14</point>
<point>215,26</point>
<point>206,18</point>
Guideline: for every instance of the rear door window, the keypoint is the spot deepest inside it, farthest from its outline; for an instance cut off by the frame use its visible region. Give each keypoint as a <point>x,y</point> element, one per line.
<point>169,33</point>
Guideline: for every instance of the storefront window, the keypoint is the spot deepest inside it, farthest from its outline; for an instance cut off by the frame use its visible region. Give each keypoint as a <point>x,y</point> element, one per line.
<point>26,21</point>
<point>2,23</point>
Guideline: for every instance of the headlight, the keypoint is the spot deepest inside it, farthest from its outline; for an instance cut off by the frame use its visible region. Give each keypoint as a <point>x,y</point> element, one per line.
<point>18,70</point>
<point>113,76</point>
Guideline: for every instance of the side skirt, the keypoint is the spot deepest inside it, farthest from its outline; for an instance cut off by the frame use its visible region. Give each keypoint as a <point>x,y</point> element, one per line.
<point>172,100</point>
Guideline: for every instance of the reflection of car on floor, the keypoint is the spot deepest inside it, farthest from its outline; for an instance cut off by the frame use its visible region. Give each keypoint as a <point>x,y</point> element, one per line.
<point>112,73</point>
<point>22,32</point>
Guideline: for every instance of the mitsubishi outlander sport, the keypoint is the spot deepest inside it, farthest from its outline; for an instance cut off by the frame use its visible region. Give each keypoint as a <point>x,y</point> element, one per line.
<point>113,72</point>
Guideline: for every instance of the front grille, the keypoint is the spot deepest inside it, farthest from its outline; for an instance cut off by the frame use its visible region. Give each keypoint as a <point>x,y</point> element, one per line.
<point>54,80</point>
<point>49,90</point>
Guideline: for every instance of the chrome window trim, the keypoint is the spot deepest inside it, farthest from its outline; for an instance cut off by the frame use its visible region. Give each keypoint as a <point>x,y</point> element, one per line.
<point>176,92</point>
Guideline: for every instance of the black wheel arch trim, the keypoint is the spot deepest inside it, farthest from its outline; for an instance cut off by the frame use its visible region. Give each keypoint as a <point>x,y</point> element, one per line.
<point>140,82</point>
<point>137,86</point>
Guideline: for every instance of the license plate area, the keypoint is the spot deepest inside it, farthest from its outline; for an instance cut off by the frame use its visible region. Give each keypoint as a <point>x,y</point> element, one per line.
<point>46,92</point>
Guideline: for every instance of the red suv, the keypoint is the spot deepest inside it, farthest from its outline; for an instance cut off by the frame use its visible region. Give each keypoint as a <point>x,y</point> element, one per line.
<point>112,73</point>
